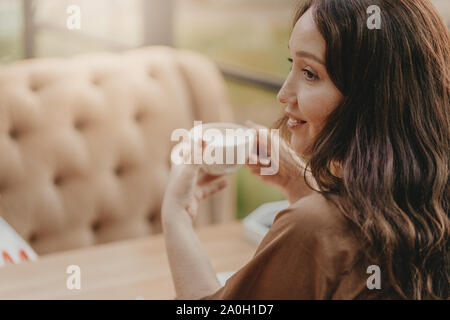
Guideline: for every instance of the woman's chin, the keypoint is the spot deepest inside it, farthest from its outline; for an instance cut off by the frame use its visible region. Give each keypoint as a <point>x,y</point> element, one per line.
<point>299,146</point>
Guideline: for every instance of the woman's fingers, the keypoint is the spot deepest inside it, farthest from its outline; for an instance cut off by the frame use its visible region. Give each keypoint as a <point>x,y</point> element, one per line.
<point>262,143</point>
<point>210,188</point>
<point>256,162</point>
<point>207,178</point>
<point>192,209</point>
<point>259,159</point>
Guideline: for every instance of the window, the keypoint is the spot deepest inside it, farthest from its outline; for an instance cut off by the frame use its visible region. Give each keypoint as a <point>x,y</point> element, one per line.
<point>11,29</point>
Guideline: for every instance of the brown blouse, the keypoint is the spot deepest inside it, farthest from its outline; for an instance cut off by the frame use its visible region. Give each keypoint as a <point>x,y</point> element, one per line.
<point>310,252</point>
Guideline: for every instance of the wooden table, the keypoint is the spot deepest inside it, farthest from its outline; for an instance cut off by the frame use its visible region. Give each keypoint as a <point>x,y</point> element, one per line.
<point>132,269</point>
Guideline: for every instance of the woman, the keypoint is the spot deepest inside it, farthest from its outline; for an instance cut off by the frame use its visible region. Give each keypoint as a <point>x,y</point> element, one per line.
<point>369,111</point>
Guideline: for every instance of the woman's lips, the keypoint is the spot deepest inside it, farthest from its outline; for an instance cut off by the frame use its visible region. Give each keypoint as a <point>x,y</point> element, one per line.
<point>294,122</point>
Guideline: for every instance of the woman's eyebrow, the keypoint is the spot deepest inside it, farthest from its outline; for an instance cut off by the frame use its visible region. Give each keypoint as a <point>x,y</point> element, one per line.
<point>306,54</point>
<point>309,55</point>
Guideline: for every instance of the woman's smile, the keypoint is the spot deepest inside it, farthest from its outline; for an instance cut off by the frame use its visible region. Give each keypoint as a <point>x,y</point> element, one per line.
<point>294,122</point>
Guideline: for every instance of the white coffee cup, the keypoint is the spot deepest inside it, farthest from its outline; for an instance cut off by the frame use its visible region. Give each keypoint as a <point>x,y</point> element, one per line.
<point>228,146</point>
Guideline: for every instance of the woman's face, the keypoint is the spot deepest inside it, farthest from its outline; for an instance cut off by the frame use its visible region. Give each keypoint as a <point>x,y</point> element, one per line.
<point>308,92</point>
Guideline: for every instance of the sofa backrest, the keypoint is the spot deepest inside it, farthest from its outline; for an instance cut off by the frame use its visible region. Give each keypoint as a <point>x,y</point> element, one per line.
<point>85,142</point>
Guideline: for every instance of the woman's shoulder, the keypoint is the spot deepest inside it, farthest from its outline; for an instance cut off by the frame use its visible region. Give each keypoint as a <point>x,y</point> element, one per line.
<point>314,211</point>
<point>315,223</point>
<point>315,230</point>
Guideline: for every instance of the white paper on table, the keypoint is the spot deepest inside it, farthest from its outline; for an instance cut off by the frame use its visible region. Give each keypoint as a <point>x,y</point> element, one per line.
<point>13,249</point>
<point>223,276</point>
<point>258,222</point>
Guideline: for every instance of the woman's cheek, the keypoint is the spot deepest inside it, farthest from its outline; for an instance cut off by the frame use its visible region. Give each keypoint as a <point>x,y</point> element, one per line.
<point>320,104</point>
<point>315,103</point>
<point>314,108</point>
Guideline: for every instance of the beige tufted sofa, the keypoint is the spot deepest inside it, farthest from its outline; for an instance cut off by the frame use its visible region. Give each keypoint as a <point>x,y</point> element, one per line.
<point>85,143</point>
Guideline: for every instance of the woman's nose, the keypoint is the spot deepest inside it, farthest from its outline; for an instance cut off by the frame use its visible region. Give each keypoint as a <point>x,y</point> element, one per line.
<point>285,96</point>
<point>281,96</point>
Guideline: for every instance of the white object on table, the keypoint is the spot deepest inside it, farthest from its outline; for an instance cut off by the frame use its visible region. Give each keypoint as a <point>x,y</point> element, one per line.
<point>13,249</point>
<point>224,276</point>
<point>259,221</point>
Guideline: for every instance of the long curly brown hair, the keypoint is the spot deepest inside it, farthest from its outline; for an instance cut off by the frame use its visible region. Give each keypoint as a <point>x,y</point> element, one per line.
<point>390,136</point>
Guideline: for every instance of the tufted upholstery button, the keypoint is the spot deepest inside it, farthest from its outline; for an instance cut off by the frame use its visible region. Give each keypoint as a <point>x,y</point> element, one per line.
<point>96,80</point>
<point>34,87</point>
<point>2,187</point>
<point>95,226</point>
<point>152,218</point>
<point>153,72</point>
<point>80,124</point>
<point>33,238</point>
<point>15,133</point>
<point>58,180</point>
<point>139,116</point>
<point>120,170</point>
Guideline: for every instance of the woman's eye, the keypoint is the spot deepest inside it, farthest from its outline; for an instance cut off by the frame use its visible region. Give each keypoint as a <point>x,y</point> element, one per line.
<point>309,75</point>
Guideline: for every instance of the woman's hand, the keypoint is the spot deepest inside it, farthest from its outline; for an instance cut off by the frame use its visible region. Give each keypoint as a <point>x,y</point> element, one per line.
<point>291,169</point>
<point>187,186</point>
